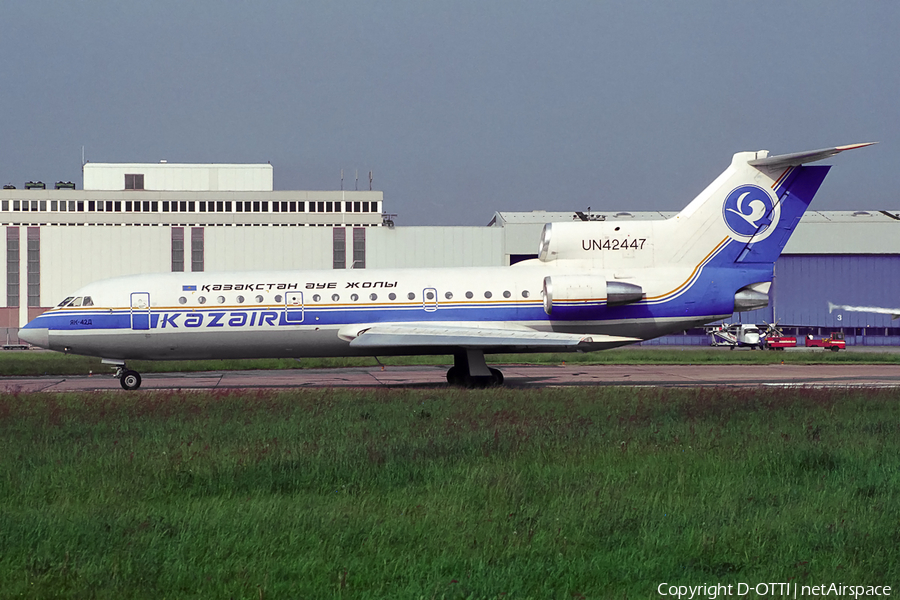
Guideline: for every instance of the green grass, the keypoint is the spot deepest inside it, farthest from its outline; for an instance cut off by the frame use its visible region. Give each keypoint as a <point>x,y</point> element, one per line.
<point>31,363</point>
<point>591,493</point>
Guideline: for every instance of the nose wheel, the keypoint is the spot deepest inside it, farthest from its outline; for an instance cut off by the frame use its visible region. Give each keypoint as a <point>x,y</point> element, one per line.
<point>129,380</point>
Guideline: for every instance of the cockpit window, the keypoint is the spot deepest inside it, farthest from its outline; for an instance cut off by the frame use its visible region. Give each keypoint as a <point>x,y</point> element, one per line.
<point>87,301</point>
<point>77,301</point>
<point>65,302</point>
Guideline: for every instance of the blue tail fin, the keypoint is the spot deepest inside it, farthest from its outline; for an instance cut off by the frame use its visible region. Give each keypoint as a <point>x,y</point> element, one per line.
<point>794,190</point>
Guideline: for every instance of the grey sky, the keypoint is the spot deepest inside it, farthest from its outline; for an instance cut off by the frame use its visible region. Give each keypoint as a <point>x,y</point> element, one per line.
<point>460,108</point>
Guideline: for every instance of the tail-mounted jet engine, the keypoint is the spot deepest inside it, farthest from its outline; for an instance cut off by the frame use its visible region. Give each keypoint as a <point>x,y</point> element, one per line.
<point>586,288</point>
<point>752,297</point>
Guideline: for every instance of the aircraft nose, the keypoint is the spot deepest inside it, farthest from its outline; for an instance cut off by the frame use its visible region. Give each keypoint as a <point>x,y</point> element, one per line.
<point>36,336</point>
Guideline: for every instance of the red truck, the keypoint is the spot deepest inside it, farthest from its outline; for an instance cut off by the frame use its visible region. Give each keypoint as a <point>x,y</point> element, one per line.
<point>780,342</point>
<point>833,342</point>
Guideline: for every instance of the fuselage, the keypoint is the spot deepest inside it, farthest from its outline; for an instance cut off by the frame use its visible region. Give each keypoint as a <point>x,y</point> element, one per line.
<point>301,313</point>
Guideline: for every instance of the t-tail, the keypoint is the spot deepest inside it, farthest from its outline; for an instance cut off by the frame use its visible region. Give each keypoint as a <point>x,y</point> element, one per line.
<point>713,258</point>
<point>747,215</point>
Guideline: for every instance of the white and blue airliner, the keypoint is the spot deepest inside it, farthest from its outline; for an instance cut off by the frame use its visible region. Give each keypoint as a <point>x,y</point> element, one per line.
<point>594,285</point>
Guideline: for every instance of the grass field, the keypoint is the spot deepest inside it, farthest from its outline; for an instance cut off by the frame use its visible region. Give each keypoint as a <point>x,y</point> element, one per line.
<point>29,363</point>
<point>583,493</point>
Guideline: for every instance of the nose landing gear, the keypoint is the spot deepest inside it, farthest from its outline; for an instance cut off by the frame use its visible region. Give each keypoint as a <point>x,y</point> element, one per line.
<point>128,379</point>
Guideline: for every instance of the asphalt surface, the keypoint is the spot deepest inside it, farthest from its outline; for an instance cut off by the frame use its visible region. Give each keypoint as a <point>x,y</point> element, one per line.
<point>517,376</point>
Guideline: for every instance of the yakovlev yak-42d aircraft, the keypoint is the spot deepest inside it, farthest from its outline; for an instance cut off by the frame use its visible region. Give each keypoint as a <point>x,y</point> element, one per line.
<point>595,285</point>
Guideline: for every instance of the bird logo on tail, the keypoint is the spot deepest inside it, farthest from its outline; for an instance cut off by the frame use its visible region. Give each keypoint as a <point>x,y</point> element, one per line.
<point>750,212</point>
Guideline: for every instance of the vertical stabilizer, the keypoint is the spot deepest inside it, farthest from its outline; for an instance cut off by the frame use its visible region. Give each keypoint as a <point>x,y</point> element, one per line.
<point>750,211</point>
<point>793,193</point>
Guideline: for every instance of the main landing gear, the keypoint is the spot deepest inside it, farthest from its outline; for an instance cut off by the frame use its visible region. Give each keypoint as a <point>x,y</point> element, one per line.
<point>469,370</point>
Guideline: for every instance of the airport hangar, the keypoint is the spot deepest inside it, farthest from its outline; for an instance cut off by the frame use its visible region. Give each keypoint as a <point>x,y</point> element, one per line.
<point>133,218</point>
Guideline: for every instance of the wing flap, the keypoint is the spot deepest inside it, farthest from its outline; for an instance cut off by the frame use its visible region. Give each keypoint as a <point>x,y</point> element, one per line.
<point>398,335</point>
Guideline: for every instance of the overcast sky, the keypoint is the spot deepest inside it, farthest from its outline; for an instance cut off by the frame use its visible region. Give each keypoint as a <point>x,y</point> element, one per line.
<point>460,108</point>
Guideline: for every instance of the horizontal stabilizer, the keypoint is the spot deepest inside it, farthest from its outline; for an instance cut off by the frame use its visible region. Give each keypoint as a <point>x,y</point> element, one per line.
<point>399,335</point>
<point>798,158</point>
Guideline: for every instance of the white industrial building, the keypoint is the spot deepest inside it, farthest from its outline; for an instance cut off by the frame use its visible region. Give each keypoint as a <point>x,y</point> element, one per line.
<point>133,218</point>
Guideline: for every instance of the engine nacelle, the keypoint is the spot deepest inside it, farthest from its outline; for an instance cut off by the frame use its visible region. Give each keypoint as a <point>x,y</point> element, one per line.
<point>587,288</point>
<point>607,242</point>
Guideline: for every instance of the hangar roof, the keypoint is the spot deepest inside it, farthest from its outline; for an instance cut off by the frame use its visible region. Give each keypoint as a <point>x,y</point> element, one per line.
<point>541,217</point>
<point>819,232</point>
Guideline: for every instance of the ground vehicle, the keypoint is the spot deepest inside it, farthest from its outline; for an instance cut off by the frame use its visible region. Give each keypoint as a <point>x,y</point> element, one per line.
<point>834,342</point>
<point>780,342</point>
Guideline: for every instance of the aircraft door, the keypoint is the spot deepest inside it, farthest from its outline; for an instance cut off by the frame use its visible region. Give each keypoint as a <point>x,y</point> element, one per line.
<point>293,307</point>
<point>429,299</point>
<point>140,311</point>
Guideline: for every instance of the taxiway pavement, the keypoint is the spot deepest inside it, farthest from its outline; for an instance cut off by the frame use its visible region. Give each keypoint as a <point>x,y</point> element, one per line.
<point>517,376</point>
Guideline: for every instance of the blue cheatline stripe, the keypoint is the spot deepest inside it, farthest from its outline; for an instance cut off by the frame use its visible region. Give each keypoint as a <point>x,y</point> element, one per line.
<point>262,317</point>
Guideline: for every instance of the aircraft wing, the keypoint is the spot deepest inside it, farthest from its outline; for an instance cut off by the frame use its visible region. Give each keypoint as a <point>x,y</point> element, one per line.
<point>894,312</point>
<point>399,335</point>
